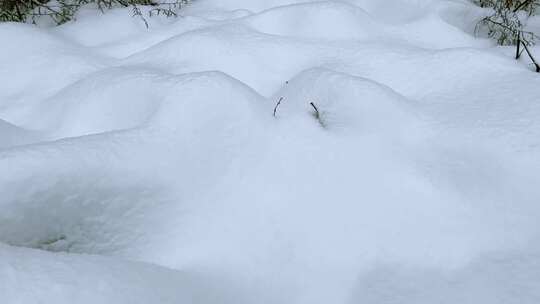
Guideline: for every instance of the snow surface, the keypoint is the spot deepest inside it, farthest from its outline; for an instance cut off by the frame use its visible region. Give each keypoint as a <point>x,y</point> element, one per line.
<point>146,165</point>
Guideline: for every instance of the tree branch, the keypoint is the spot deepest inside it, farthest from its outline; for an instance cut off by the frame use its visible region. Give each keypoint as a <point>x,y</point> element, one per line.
<point>532,58</point>
<point>277,105</point>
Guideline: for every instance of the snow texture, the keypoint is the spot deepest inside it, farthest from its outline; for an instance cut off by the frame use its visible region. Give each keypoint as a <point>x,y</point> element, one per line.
<point>147,166</point>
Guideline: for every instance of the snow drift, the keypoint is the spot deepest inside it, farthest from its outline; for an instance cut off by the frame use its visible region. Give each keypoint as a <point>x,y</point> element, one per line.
<point>140,165</point>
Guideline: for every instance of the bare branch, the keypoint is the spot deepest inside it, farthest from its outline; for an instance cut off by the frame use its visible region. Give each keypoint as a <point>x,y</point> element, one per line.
<point>277,105</point>
<point>317,114</point>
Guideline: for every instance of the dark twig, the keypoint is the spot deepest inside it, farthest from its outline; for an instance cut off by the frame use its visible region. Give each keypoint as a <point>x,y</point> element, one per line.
<point>317,114</point>
<point>137,12</point>
<point>522,4</point>
<point>518,44</point>
<point>277,105</point>
<point>537,66</point>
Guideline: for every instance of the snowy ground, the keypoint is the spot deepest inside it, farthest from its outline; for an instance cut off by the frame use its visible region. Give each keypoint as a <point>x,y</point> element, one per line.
<point>146,166</point>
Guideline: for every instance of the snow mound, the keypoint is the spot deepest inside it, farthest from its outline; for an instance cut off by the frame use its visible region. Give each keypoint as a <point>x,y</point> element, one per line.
<point>76,184</point>
<point>108,100</point>
<point>276,151</point>
<point>346,102</point>
<point>319,20</point>
<point>261,61</point>
<point>62,278</point>
<point>51,61</point>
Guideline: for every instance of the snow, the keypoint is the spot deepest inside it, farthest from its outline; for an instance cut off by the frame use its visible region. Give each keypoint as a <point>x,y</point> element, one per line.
<point>65,278</point>
<point>145,165</point>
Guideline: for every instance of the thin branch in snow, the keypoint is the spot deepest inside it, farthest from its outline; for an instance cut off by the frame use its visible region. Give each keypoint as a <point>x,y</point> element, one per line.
<point>537,66</point>
<point>317,114</point>
<point>137,12</point>
<point>277,105</point>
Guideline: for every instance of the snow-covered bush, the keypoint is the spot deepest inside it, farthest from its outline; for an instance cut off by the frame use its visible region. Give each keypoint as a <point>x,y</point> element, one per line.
<point>61,11</point>
<point>507,20</point>
<point>507,24</point>
<point>515,5</point>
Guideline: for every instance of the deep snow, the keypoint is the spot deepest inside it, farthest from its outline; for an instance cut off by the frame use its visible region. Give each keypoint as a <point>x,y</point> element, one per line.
<point>145,165</point>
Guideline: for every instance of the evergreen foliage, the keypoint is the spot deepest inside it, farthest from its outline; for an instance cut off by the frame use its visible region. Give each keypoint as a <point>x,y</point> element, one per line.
<point>61,11</point>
